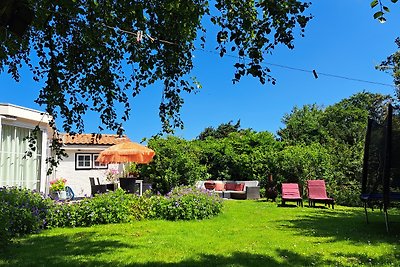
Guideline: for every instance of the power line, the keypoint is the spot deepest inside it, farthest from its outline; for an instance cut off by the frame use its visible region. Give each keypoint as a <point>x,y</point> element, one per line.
<point>140,34</point>
<point>314,72</point>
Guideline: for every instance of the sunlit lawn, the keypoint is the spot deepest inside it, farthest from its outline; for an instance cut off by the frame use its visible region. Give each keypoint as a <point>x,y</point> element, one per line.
<point>248,233</point>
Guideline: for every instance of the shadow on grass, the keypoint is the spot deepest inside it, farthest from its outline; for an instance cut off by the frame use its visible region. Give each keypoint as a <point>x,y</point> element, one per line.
<point>348,225</point>
<point>59,250</point>
<point>242,259</point>
<point>287,205</point>
<point>62,257</point>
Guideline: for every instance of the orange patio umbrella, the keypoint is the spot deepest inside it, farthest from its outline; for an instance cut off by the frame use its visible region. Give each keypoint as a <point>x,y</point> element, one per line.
<point>126,152</point>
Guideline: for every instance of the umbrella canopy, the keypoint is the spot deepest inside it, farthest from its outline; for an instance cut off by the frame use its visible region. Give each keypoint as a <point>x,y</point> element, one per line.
<point>126,152</point>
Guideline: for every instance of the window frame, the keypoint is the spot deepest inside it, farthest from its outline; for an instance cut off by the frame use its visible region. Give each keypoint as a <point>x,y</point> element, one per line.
<point>92,162</point>
<point>100,166</point>
<point>77,167</point>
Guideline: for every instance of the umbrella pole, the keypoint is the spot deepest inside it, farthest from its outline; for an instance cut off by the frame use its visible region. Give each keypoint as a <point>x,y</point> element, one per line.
<point>123,170</point>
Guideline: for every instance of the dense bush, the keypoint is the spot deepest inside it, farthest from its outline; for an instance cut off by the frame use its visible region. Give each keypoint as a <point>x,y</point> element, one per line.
<point>303,162</point>
<point>183,203</point>
<point>113,207</point>
<point>22,212</point>
<point>176,163</point>
<point>186,203</point>
<point>346,194</point>
<point>244,155</point>
<point>5,235</point>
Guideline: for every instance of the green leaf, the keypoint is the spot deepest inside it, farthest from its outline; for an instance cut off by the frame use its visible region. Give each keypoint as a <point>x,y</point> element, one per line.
<point>378,14</point>
<point>394,1</point>
<point>386,9</point>
<point>374,3</point>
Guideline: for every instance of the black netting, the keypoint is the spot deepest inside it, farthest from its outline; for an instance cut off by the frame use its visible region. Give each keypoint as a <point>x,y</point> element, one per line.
<point>373,179</point>
<point>378,149</point>
<point>394,178</point>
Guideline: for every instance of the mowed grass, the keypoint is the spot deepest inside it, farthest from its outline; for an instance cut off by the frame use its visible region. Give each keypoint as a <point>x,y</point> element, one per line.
<point>248,233</point>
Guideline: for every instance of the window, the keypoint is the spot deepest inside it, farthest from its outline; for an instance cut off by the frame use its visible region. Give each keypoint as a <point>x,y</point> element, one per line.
<point>15,168</point>
<point>88,162</point>
<point>98,165</point>
<point>83,161</point>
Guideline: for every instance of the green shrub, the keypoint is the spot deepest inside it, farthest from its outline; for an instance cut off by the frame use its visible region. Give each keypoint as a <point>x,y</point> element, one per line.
<point>113,207</point>
<point>183,203</point>
<point>22,212</point>
<point>177,162</point>
<point>141,206</point>
<point>347,194</point>
<point>186,203</point>
<point>5,235</point>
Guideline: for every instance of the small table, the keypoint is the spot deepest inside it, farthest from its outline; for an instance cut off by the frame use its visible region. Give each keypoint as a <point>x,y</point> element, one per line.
<point>128,184</point>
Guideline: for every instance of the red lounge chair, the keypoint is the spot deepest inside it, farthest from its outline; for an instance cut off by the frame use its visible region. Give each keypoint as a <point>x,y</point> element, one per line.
<point>291,192</point>
<point>317,193</point>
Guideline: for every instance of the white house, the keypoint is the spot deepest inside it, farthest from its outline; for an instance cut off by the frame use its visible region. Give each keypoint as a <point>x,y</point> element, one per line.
<point>17,169</point>
<point>82,151</point>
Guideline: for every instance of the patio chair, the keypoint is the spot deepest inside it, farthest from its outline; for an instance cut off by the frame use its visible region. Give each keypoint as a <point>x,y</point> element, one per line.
<point>291,192</point>
<point>317,193</point>
<point>97,188</point>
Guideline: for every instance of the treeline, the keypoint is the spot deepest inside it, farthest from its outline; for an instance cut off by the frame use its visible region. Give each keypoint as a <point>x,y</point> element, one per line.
<point>315,143</point>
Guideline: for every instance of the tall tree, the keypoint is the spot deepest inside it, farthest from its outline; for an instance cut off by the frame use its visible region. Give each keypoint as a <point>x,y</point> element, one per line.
<point>222,131</point>
<point>81,47</point>
<point>392,66</point>
<point>303,126</point>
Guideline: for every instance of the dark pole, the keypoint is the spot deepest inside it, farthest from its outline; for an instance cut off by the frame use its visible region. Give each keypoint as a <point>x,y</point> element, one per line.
<point>387,164</point>
<point>366,158</point>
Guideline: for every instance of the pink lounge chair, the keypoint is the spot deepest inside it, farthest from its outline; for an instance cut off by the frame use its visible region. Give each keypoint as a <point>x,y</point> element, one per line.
<point>291,192</point>
<point>317,193</point>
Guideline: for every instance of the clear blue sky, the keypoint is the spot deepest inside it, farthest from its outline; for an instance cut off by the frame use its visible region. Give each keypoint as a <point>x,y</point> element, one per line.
<point>343,39</point>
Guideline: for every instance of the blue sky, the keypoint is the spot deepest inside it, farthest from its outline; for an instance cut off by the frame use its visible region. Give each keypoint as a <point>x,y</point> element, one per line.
<point>342,39</point>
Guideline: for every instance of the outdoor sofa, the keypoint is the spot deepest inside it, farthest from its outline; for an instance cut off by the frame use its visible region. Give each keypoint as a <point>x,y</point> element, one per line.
<point>232,189</point>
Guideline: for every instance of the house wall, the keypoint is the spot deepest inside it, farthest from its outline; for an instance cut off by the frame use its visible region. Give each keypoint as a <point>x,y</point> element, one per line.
<point>25,118</point>
<point>78,179</point>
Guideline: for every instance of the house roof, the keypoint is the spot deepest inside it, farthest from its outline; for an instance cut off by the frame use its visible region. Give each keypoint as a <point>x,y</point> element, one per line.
<point>93,139</point>
<point>12,112</point>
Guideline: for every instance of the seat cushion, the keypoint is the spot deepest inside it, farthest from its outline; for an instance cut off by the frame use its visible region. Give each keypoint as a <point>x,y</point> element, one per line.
<point>239,187</point>
<point>219,186</point>
<point>230,186</point>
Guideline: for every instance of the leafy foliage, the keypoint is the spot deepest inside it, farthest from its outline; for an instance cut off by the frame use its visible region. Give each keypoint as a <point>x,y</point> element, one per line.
<point>222,131</point>
<point>392,65</point>
<point>187,203</point>
<point>340,131</point>
<point>79,50</point>
<point>113,207</point>
<point>300,163</point>
<point>22,212</point>
<point>382,9</point>
<point>246,155</point>
<point>57,184</point>
<point>302,126</point>
<point>176,163</point>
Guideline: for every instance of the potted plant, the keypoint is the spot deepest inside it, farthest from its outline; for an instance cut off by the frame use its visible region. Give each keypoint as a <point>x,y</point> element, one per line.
<point>112,176</point>
<point>57,189</point>
<point>131,170</point>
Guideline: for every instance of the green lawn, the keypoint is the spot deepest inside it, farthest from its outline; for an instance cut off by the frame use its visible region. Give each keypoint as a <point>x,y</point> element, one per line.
<point>248,233</point>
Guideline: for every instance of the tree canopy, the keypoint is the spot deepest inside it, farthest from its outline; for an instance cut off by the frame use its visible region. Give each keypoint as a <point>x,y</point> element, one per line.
<point>392,65</point>
<point>93,54</point>
<point>222,131</point>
